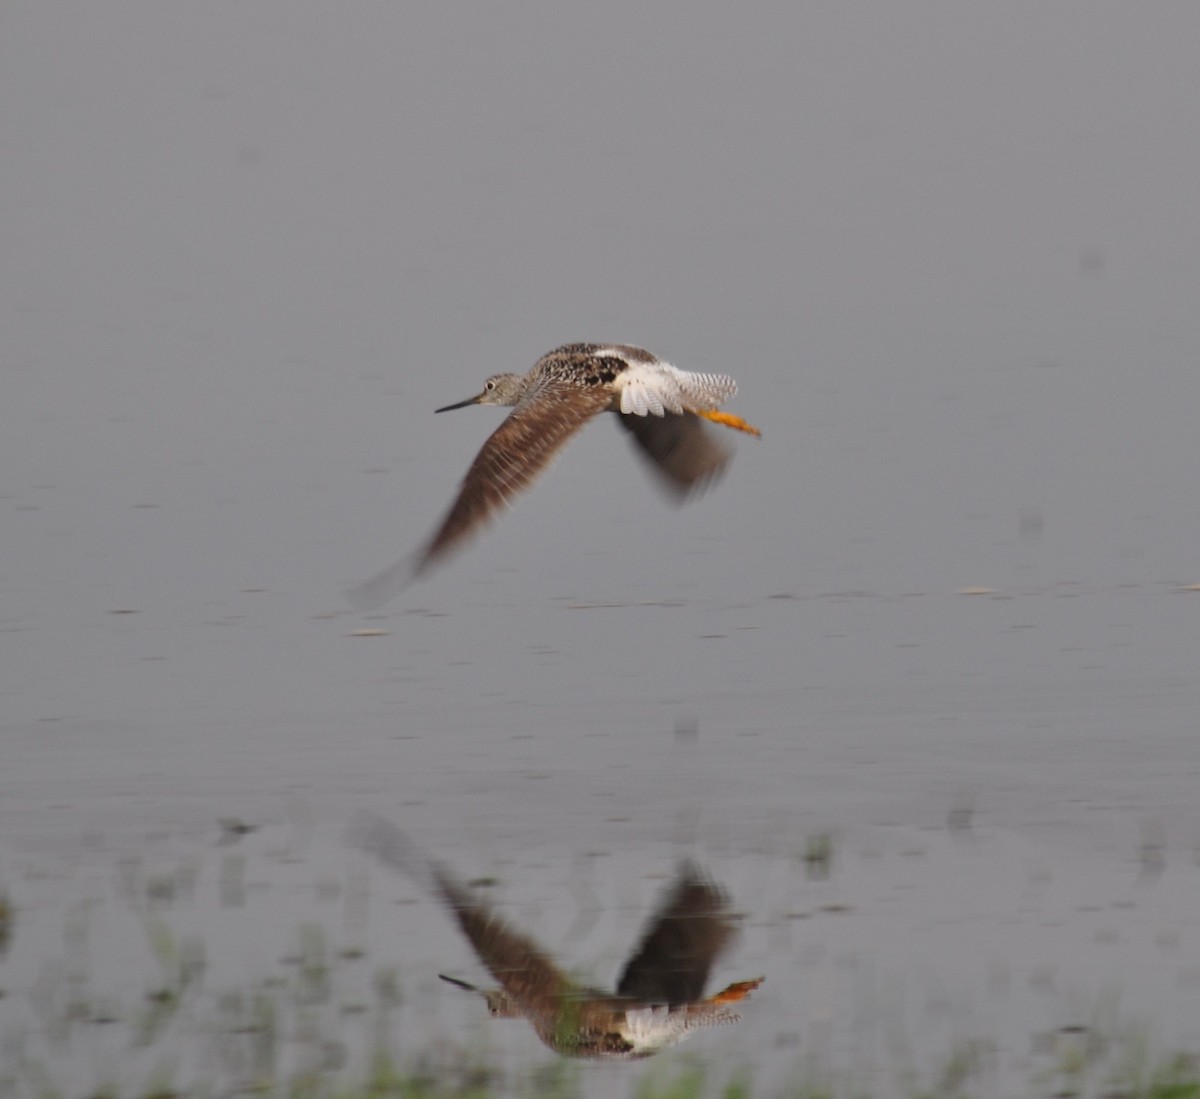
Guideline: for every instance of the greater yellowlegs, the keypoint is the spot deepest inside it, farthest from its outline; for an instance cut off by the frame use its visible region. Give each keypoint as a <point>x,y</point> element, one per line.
<point>659,998</point>
<point>660,405</point>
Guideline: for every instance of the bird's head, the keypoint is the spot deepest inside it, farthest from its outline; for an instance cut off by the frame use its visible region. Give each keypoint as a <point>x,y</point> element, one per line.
<point>501,389</point>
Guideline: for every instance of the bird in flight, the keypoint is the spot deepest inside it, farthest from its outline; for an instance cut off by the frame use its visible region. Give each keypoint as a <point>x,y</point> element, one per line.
<point>661,406</point>
<point>659,998</point>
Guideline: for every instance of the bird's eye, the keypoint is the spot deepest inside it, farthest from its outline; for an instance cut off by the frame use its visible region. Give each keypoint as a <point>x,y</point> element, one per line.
<point>490,385</point>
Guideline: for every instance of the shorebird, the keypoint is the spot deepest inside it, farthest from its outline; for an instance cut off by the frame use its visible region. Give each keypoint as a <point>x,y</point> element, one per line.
<point>661,406</point>
<point>659,999</point>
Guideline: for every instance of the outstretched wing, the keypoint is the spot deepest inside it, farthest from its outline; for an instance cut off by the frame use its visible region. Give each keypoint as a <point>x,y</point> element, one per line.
<point>508,463</point>
<point>534,984</point>
<point>513,457</point>
<point>529,976</point>
<point>690,929</point>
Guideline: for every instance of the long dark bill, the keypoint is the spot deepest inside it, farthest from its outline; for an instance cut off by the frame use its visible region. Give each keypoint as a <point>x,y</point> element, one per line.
<point>461,404</point>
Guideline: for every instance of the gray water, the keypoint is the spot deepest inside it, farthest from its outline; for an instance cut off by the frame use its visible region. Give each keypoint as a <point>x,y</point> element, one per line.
<point>952,256</point>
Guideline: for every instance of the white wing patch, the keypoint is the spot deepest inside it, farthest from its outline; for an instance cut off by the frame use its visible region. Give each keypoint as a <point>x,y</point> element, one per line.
<point>649,1029</point>
<point>656,388</point>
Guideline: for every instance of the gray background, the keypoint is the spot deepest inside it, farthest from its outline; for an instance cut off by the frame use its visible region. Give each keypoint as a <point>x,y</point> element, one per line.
<point>950,252</point>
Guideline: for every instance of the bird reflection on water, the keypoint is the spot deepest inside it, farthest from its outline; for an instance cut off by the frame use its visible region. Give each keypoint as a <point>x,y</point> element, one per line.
<point>659,999</point>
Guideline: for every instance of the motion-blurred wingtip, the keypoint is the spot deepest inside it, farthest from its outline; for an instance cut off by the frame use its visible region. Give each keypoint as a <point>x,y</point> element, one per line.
<point>384,586</point>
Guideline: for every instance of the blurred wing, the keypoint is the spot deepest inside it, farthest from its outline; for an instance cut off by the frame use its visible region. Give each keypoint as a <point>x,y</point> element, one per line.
<point>533,982</point>
<point>690,929</point>
<point>512,458</point>
<point>508,463</point>
<point>381,839</point>
<point>383,585</point>
<point>680,449</point>
<point>531,979</point>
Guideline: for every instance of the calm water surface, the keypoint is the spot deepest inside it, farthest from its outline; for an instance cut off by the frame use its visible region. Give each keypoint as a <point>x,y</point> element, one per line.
<point>951,259</point>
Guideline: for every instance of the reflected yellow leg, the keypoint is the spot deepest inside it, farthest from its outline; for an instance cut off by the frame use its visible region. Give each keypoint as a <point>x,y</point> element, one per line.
<point>739,990</point>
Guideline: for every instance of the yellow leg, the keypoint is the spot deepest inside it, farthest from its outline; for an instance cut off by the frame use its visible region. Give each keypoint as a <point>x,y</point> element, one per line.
<point>729,420</point>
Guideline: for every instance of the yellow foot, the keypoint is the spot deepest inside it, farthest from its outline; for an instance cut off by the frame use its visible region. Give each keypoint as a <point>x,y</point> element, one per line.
<point>729,420</point>
<point>739,990</point>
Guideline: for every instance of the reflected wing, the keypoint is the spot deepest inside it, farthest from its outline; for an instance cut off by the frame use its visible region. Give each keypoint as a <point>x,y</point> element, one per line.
<point>533,982</point>
<point>690,929</point>
<point>680,449</point>
<point>531,979</point>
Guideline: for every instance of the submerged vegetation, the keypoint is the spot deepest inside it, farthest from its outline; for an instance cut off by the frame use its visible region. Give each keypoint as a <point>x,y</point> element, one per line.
<point>130,994</point>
